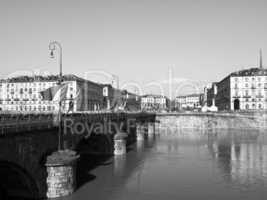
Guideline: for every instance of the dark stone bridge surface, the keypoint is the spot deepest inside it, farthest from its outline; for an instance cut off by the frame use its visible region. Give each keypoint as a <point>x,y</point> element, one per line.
<point>27,140</point>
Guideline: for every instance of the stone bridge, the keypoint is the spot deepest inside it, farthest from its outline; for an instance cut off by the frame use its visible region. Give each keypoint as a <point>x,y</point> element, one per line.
<point>26,141</point>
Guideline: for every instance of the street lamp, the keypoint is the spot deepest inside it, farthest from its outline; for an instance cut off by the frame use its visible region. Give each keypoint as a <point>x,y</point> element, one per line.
<point>52,47</point>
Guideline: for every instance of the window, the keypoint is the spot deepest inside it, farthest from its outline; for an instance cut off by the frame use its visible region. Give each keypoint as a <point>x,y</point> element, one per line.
<point>260,106</point>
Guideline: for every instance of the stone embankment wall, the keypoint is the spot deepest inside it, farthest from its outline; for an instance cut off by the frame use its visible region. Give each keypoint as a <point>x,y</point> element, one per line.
<point>204,121</point>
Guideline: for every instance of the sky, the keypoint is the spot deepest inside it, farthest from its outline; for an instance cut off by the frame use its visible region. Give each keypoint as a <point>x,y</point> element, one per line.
<point>140,41</point>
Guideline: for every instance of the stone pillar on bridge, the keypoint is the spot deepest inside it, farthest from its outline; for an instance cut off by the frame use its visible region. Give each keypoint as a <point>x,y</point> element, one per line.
<point>140,131</point>
<point>120,143</point>
<point>61,170</point>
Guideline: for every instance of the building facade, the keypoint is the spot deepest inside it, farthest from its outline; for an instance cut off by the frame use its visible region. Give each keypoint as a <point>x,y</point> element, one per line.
<point>188,102</point>
<point>22,94</point>
<point>155,103</point>
<point>243,90</point>
<point>210,92</point>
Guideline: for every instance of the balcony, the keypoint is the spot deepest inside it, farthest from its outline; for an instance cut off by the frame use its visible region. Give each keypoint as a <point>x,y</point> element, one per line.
<point>259,96</point>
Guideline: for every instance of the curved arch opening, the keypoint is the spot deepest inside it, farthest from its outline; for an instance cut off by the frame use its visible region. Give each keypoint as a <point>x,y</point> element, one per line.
<point>94,151</point>
<point>16,183</point>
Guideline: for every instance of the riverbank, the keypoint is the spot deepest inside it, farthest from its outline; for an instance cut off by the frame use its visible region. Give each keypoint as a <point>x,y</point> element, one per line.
<point>218,120</point>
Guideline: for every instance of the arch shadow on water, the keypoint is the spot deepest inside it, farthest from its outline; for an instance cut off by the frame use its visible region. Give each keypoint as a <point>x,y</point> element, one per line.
<point>16,183</point>
<point>94,152</point>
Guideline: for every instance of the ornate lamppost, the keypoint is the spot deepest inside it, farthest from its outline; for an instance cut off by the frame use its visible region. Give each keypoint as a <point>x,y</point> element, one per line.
<point>52,47</point>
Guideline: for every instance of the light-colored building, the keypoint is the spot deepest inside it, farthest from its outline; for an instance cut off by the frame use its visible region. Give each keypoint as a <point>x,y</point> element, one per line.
<point>154,103</point>
<point>23,94</point>
<point>243,90</point>
<point>192,101</point>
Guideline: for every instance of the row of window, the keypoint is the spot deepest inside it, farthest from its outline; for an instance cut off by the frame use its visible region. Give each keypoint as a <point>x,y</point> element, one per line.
<point>254,100</point>
<point>33,84</point>
<point>27,102</point>
<point>253,93</point>
<point>252,78</point>
<point>33,108</point>
<point>247,106</point>
<point>27,96</point>
<point>253,86</point>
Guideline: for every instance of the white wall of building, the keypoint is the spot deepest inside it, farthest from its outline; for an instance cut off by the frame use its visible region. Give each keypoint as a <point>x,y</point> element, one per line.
<point>25,96</point>
<point>250,90</point>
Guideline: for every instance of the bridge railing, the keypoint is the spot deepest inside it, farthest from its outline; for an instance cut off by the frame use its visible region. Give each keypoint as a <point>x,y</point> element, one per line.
<point>21,122</point>
<point>13,123</point>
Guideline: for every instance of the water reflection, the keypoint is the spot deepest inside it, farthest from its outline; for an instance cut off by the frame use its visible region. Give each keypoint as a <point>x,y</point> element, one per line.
<point>140,145</point>
<point>185,164</point>
<point>241,155</point>
<point>119,165</point>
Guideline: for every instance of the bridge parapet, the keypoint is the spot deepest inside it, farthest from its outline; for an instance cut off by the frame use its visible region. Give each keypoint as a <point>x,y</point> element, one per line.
<point>17,123</point>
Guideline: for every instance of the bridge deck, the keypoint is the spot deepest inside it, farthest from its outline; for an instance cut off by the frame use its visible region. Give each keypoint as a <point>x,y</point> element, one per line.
<point>18,122</point>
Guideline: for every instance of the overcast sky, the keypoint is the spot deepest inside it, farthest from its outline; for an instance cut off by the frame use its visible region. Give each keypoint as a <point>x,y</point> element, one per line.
<point>138,40</point>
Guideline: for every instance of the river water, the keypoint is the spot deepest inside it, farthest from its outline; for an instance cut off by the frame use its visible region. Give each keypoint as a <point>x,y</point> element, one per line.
<point>186,165</point>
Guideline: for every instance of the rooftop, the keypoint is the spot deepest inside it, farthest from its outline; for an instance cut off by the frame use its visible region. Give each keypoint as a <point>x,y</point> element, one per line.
<point>250,72</point>
<point>24,79</point>
<point>189,95</point>
<point>154,96</point>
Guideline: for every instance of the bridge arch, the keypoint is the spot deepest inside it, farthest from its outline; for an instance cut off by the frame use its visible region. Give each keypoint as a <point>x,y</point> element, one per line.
<point>16,182</point>
<point>96,144</point>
